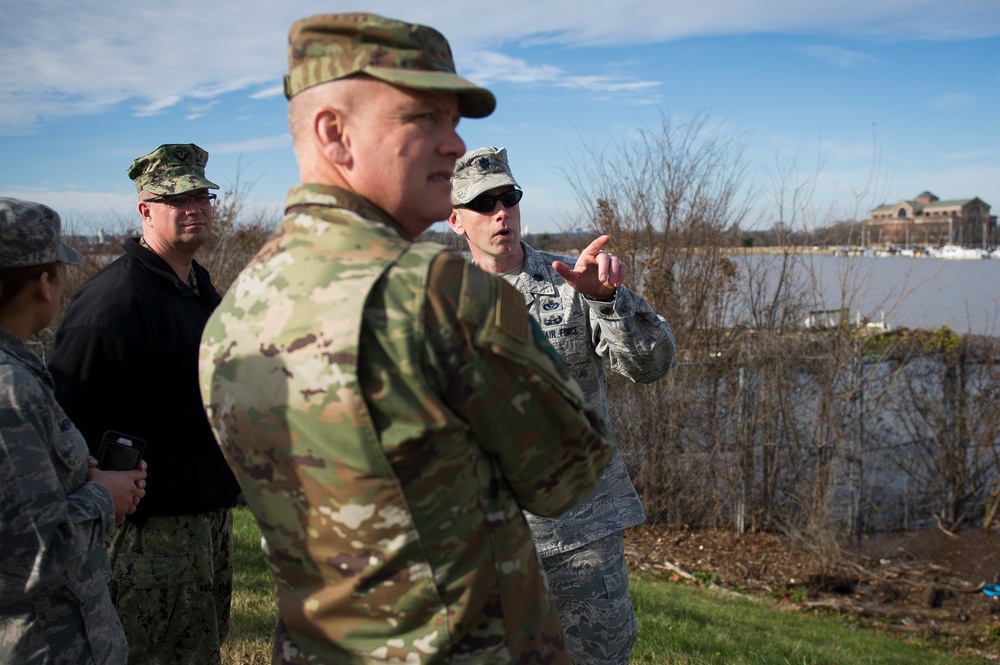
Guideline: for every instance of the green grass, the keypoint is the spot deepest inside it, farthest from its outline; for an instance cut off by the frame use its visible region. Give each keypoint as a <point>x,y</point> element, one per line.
<point>254,613</point>
<point>678,624</point>
<point>688,625</point>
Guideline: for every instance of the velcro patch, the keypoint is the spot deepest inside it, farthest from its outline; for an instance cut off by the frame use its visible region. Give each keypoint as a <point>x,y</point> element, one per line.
<point>511,314</point>
<point>474,293</point>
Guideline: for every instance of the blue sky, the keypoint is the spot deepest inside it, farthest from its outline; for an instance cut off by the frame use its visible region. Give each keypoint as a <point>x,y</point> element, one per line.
<point>909,89</point>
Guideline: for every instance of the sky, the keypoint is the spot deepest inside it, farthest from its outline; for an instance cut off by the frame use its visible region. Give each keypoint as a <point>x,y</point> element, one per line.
<point>869,101</point>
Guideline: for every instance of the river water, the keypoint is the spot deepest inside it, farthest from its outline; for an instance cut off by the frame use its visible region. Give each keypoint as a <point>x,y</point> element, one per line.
<point>920,292</point>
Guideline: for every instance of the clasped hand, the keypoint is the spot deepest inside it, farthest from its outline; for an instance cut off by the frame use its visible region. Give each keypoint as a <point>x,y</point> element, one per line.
<point>126,487</point>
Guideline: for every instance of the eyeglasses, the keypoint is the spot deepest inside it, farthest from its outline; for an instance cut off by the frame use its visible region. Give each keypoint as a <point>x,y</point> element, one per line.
<point>487,202</point>
<point>182,200</point>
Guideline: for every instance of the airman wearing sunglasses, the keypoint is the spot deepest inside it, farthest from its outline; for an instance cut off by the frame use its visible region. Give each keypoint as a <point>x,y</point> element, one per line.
<point>588,315</point>
<point>126,359</point>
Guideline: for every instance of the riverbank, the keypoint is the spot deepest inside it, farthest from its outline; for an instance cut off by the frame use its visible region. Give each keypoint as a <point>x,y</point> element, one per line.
<point>922,582</point>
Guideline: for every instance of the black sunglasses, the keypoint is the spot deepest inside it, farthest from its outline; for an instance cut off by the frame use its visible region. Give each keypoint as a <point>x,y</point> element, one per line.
<point>486,202</point>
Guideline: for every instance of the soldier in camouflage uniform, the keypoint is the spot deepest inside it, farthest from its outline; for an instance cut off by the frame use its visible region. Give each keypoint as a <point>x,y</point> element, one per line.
<point>387,407</point>
<point>55,508</point>
<point>587,315</point>
<point>126,359</point>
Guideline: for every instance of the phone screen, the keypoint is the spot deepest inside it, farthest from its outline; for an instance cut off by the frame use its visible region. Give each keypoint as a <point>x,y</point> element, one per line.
<point>119,452</point>
<point>118,457</point>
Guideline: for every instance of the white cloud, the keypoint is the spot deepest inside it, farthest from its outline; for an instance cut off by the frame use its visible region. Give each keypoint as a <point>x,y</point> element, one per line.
<point>957,182</point>
<point>282,141</point>
<point>970,155</point>
<point>606,84</point>
<point>83,212</point>
<point>576,22</point>
<point>490,67</point>
<point>68,57</point>
<point>951,102</point>
<point>493,67</point>
<point>838,56</point>
<point>157,105</point>
<point>268,92</point>
<point>202,107</point>
<point>589,22</point>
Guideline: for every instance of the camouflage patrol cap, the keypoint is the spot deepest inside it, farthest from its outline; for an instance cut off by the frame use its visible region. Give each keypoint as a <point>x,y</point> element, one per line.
<point>30,236</point>
<point>327,47</point>
<point>479,171</point>
<point>173,168</point>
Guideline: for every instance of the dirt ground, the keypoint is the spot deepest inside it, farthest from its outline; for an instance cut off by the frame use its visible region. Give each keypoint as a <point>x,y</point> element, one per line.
<point>928,582</point>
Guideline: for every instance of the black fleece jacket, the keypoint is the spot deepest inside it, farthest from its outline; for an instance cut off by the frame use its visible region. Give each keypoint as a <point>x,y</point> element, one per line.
<point>126,359</point>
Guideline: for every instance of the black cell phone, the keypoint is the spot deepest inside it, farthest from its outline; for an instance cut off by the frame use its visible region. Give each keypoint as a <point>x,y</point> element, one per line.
<point>119,452</point>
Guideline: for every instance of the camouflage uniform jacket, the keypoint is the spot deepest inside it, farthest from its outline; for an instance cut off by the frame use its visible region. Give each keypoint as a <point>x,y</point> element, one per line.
<point>638,343</point>
<point>387,408</point>
<point>54,603</point>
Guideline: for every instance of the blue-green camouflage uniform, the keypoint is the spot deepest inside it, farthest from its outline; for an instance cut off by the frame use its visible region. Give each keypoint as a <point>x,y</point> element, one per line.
<point>54,603</point>
<point>388,409</point>
<point>582,550</point>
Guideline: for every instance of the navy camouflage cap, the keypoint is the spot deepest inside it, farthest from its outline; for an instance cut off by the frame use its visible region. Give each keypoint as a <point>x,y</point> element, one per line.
<point>479,171</point>
<point>327,47</point>
<point>173,168</point>
<point>30,236</point>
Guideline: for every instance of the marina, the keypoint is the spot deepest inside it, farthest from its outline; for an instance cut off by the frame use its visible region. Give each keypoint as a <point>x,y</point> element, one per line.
<point>899,292</point>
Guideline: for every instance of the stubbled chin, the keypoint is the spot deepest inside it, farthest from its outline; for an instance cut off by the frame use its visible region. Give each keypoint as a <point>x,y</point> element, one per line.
<point>195,233</point>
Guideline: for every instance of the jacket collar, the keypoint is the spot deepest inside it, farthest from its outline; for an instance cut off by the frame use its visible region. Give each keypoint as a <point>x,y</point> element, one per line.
<point>156,265</point>
<point>313,195</point>
<point>17,348</point>
<point>536,274</point>
<point>152,261</point>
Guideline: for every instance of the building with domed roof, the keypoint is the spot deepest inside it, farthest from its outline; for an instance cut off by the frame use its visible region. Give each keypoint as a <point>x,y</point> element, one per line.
<point>926,220</point>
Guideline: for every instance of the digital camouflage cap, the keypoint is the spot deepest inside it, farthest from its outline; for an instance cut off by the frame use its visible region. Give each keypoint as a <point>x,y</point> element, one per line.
<point>173,168</point>
<point>30,235</point>
<point>327,47</point>
<point>479,171</point>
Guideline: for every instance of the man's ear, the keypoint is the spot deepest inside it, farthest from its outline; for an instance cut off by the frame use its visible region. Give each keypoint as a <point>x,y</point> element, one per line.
<point>455,223</point>
<point>43,287</point>
<point>329,127</point>
<point>144,212</point>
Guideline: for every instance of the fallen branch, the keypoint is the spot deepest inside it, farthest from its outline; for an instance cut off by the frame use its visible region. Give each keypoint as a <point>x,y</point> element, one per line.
<point>950,534</point>
<point>878,610</point>
<point>921,575</point>
<point>711,585</point>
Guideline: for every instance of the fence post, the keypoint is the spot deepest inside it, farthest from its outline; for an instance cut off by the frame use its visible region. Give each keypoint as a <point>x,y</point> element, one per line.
<point>856,465</point>
<point>746,452</point>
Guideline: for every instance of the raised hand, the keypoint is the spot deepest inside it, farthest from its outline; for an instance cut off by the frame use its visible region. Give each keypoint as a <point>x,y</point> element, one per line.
<point>596,274</point>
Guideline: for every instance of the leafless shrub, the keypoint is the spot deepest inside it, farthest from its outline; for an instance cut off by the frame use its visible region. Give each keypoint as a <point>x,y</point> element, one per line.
<point>817,434</point>
<point>239,230</point>
<point>762,425</point>
<point>667,198</point>
<point>945,408</point>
